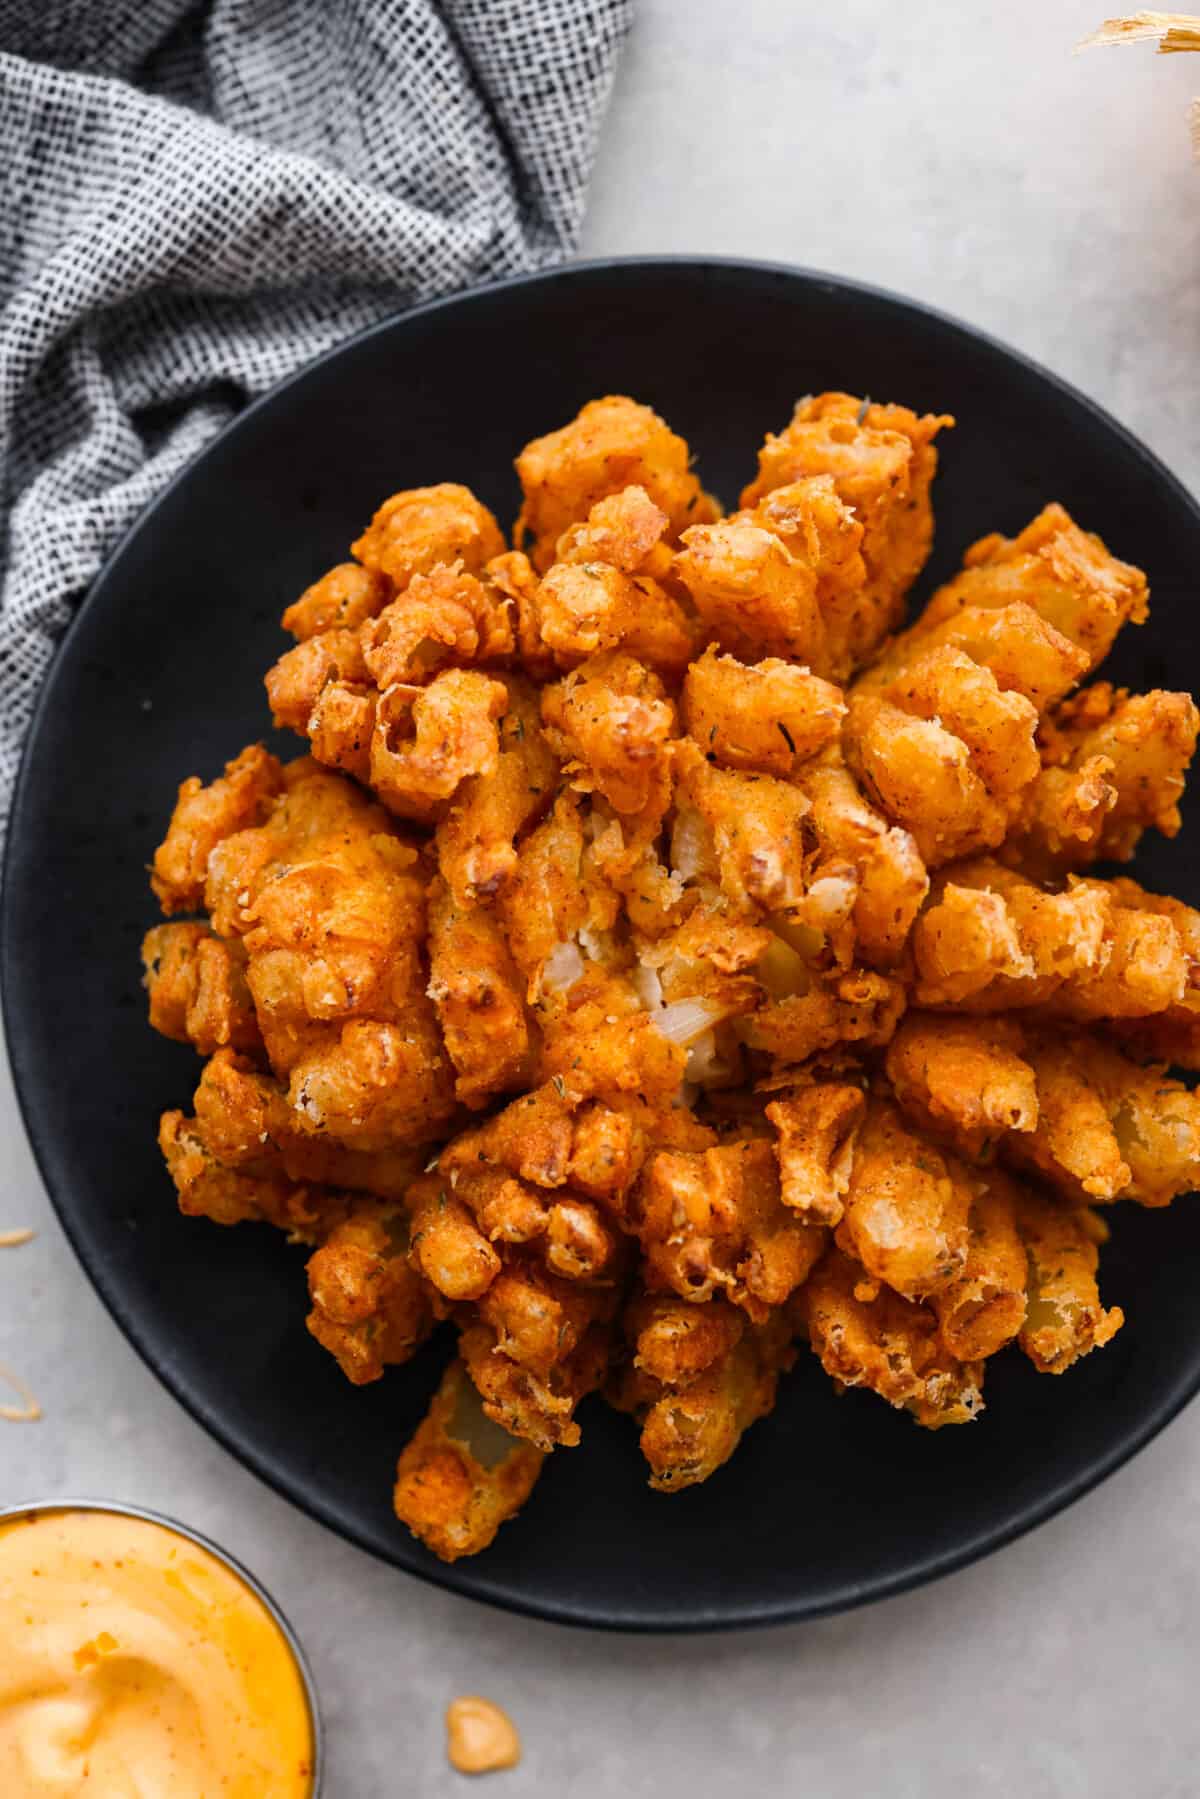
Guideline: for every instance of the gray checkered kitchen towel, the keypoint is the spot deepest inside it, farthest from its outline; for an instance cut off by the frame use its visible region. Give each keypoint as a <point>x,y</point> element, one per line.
<point>198,196</point>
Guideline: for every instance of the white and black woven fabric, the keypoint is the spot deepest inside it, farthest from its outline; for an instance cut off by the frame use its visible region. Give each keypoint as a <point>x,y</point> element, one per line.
<point>198,196</point>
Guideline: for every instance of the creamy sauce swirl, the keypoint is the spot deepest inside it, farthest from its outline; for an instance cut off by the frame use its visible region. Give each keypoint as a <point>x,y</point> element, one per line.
<point>136,1665</point>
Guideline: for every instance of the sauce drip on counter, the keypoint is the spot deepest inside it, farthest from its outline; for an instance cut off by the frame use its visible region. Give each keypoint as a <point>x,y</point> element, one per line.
<point>137,1666</point>
<point>28,1411</point>
<point>480,1737</point>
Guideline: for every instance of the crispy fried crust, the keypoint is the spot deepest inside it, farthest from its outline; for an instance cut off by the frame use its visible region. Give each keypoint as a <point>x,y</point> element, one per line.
<point>1065,575</point>
<point>891,880</point>
<point>753,595</point>
<point>907,1206</point>
<point>984,1307</point>
<point>755,826</point>
<point>818,1128</point>
<point>1068,1104</point>
<point>203,818</point>
<point>990,940</point>
<point>477,836</point>
<point>197,988</point>
<point>942,731</point>
<point>581,609</point>
<point>415,530</point>
<point>963,1078</point>
<point>625,529</point>
<point>860,1007</point>
<point>922,776</point>
<point>881,462</point>
<point>475,985</point>
<point>428,740</point>
<point>1064,1319</point>
<point>207,1188</point>
<point>1025,654</point>
<point>1109,1129</point>
<point>612,725</point>
<point>866,1335</point>
<point>340,600</point>
<point>1113,767</point>
<point>695,1383</point>
<point>328,901</point>
<point>713,1222</point>
<point>445,617</point>
<point>767,717</point>
<point>538,1349</point>
<point>370,1308</point>
<point>247,1122</point>
<point>612,445</point>
<point>461,1476</point>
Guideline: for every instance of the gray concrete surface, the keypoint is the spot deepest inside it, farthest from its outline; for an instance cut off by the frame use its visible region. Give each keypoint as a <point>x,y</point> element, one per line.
<point>961,154</point>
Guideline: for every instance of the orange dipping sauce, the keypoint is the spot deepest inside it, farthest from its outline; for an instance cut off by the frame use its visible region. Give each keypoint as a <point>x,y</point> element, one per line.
<point>133,1662</point>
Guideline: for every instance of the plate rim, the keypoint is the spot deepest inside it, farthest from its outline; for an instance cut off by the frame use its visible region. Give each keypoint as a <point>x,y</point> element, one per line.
<point>472,1581</point>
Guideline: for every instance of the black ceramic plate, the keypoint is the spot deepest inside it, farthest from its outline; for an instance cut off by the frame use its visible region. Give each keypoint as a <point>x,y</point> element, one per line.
<point>829,1502</point>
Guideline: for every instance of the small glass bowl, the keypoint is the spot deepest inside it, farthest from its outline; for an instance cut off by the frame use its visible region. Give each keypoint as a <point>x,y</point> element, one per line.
<point>118,1509</point>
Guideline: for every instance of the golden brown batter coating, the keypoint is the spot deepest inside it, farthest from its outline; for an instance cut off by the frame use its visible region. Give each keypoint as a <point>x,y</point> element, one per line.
<point>766,717</point>
<point>859,1007</point>
<point>866,1335</point>
<point>963,1078</point>
<point>209,1189</point>
<point>626,530</point>
<point>881,460</point>
<point>984,1307</point>
<point>1109,1129</point>
<point>818,1128</point>
<point>203,818</point>
<point>1064,1319</point>
<point>891,877</point>
<point>247,1122</point>
<point>1066,575</point>
<point>476,837</point>
<point>540,1346</point>
<point>990,940</point>
<point>415,530</point>
<point>696,1383</point>
<point>479,996</point>
<point>907,1206</point>
<point>340,600</point>
<point>446,617</point>
<point>370,1309</point>
<point>612,445</point>
<point>300,677</point>
<point>816,527</point>
<point>1113,767</point>
<point>197,988</point>
<point>752,836</point>
<point>461,1476</point>
<point>712,1222</point>
<point>754,597</point>
<point>922,776</point>
<point>329,901</point>
<point>612,724</point>
<point>581,609</point>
